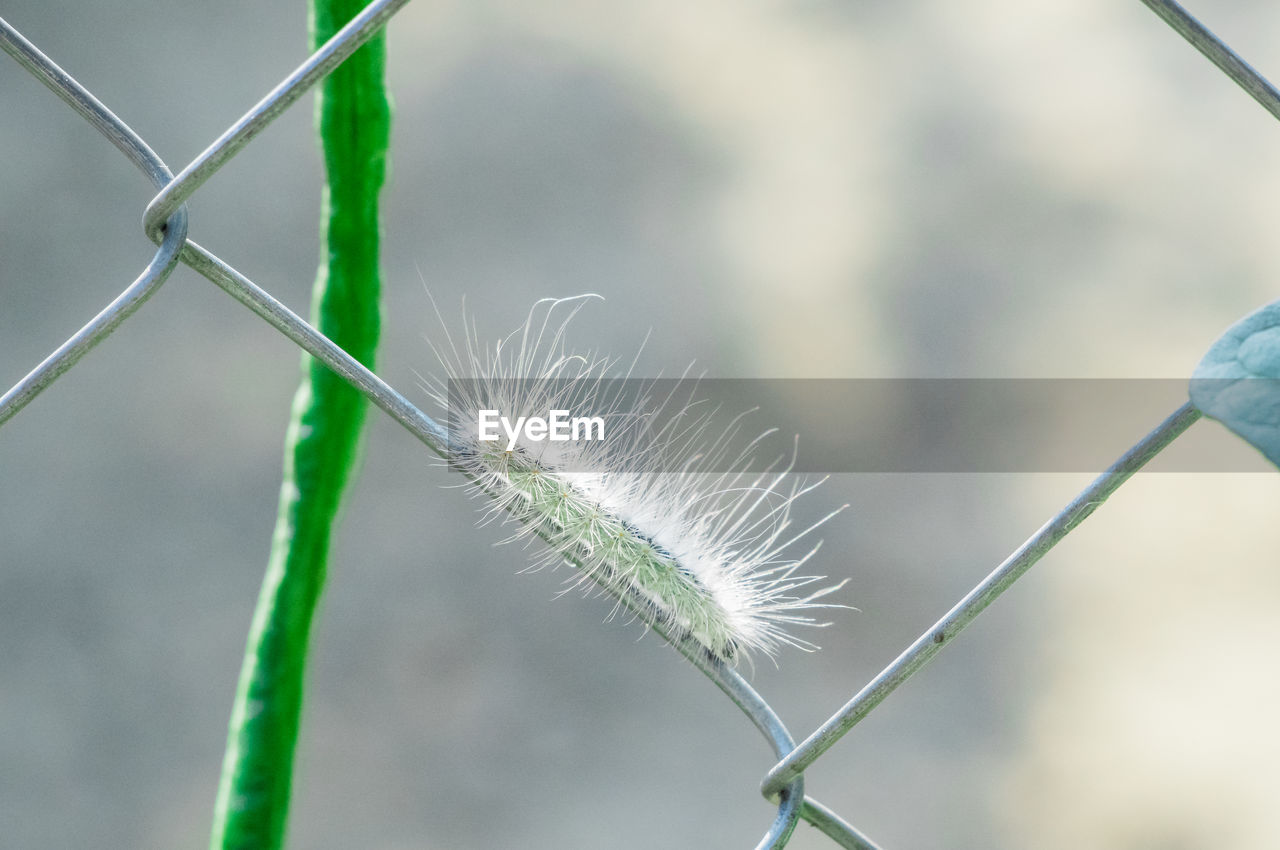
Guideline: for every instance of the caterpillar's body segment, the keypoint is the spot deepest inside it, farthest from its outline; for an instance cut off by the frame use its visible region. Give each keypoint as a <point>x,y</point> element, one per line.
<point>697,554</point>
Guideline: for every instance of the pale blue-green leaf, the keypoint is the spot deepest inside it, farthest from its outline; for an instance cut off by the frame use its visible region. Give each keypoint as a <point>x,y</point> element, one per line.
<point>1238,381</point>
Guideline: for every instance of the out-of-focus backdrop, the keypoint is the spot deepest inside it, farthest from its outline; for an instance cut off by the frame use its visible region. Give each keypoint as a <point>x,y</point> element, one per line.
<point>778,189</point>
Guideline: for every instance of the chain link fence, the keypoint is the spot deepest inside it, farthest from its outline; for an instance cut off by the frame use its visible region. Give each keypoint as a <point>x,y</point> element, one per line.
<point>166,222</point>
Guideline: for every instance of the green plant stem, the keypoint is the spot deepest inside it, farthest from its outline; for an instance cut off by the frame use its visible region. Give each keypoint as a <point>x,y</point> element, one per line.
<point>321,447</point>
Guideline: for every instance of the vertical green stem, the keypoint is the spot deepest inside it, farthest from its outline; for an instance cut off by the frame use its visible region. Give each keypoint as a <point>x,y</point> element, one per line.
<point>321,448</point>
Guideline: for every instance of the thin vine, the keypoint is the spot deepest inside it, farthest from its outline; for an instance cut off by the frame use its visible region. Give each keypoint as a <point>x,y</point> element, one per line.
<point>321,447</point>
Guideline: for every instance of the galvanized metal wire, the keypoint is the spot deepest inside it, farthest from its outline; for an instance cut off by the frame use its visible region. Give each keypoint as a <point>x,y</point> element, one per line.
<point>174,223</point>
<point>165,222</point>
<point>975,602</point>
<point>1217,52</point>
<point>330,55</point>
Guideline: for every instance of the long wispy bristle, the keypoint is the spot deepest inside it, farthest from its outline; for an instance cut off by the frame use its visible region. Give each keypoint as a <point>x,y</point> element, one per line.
<point>644,514</point>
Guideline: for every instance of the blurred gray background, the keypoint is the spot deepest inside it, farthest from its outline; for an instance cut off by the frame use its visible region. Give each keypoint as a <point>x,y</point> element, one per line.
<point>777,189</point>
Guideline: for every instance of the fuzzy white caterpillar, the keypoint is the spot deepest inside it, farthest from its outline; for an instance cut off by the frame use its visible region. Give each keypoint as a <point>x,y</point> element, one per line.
<point>643,513</point>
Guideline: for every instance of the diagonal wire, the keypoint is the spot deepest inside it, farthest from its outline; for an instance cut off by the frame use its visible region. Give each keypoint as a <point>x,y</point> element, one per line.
<point>792,802</point>
<point>157,271</point>
<point>1227,60</point>
<point>944,631</point>
<point>835,827</point>
<point>203,261</point>
<point>344,42</point>
<point>784,780</point>
<point>319,346</point>
<point>173,191</point>
<point>791,798</point>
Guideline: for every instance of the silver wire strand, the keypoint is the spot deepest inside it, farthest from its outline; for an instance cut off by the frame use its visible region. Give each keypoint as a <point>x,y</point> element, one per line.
<point>165,221</point>
<point>162,263</point>
<point>1213,48</point>
<point>835,827</point>
<point>175,246</point>
<point>792,799</point>
<point>318,346</point>
<point>344,42</point>
<point>953,622</point>
<point>942,632</point>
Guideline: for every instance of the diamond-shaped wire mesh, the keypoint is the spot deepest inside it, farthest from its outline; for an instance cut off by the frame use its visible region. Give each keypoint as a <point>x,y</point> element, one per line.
<point>201,378</point>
